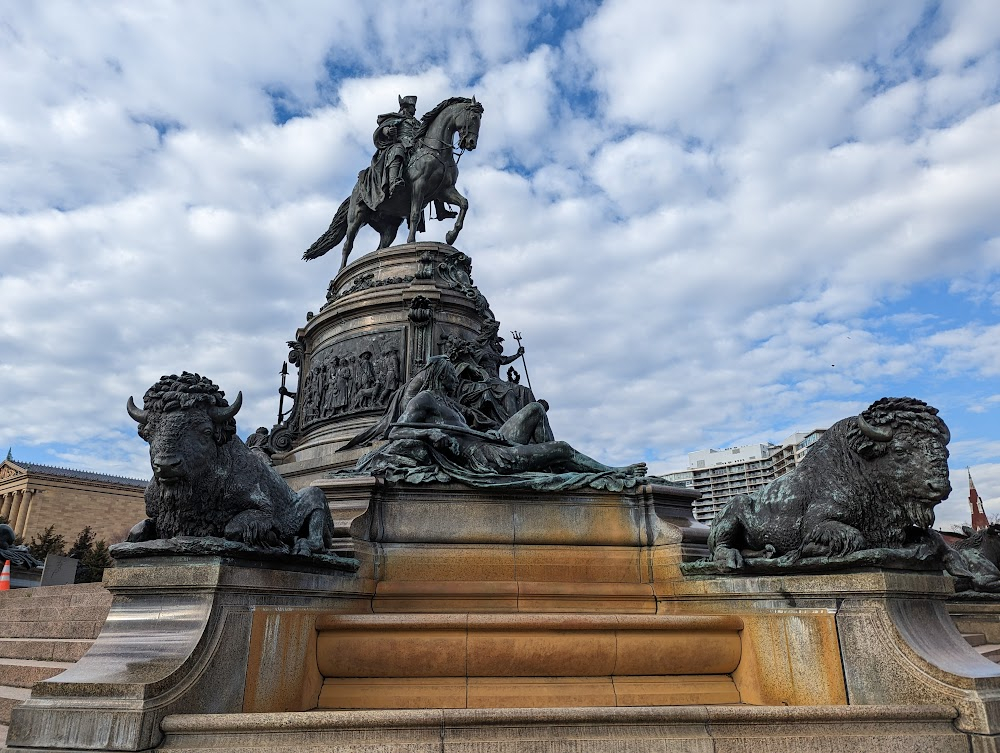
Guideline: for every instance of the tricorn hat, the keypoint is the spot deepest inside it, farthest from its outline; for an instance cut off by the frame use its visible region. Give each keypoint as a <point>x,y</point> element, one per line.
<point>411,100</point>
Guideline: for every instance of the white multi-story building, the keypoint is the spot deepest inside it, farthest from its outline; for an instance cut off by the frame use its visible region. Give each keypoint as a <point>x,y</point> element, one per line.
<point>721,474</point>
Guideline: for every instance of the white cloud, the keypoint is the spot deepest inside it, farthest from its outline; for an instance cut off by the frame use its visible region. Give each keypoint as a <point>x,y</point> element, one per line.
<point>708,220</point>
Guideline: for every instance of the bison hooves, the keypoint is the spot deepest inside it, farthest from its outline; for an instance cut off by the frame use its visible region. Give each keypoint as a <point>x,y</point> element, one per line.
<point>728,558</point>
<point>252,533</point>
<point>144,530</point>
<point>302,548</point>
<point>833,539</point>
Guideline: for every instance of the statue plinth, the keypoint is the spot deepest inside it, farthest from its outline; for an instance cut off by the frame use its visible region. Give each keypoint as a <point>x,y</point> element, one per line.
<point>445,547</point>
<point>179,638</point>
<point>385,315</point>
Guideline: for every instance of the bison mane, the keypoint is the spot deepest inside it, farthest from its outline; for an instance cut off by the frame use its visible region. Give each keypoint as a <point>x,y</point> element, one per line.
<point>894,412</point>
<point>186,391</point>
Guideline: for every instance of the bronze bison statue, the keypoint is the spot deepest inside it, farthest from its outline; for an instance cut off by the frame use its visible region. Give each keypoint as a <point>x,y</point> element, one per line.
<point>870,482</point>
<point>207,483</point>
<point>980,553</point>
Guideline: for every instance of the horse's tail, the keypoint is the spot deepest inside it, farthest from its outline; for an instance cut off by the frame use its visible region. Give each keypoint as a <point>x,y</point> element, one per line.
<point>334,234</point>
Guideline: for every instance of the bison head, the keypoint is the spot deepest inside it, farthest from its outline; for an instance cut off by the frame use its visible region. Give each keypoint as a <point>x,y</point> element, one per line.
<point>906,443</point>
<point>185,419</point>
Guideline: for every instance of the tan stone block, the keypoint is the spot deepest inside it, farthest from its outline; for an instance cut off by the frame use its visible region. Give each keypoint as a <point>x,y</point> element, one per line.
<point>540,692</point>
<point>416,516</point>
<point>586,520</point>
<point>687,690</point>
<point>428,652</point>
<point>579,564</point>
<point>791,658</point>
<point>606,598</point>
<point>468,562</point>
<point>532,653</point>
<point>676,652</point>
<point>665,564</point>
<point>445,596</point>
<point>394,693</point>
<point>282,670</point>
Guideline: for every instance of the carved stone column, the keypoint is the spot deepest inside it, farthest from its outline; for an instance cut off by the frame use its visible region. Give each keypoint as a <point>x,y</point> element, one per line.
<point>24,516</point>
<point>15,508</point>
<point>5,502</point>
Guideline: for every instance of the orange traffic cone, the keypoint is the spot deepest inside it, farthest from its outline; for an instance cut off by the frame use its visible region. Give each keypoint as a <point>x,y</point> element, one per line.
<point>5,577</point>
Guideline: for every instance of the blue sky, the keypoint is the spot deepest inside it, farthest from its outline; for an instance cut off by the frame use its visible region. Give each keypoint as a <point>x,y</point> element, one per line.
<point>715,223</point>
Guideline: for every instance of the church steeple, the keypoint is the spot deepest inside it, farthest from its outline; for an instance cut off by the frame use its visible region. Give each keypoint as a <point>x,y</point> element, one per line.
<point>979,519</point>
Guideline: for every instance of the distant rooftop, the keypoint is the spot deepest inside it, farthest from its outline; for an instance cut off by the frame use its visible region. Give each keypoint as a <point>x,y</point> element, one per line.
<point>54,470</point>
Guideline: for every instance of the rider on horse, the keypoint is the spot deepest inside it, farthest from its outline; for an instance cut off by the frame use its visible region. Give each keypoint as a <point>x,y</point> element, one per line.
<point>394,140</point>
<point>413,167</point>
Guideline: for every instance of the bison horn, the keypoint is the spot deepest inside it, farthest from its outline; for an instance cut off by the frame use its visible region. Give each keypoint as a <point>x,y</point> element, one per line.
<point>879,435</point>
<point>223,414</point>
<point>139,416</point>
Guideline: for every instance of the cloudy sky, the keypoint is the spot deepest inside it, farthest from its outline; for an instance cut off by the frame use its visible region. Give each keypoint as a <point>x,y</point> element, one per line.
<point>714,223</point>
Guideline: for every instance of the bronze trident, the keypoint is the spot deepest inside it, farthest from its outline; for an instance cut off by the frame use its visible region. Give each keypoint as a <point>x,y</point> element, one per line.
<point>517,336</point>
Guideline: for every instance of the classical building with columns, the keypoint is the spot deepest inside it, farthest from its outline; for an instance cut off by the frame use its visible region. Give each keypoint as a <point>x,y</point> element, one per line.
<point>34,497</point>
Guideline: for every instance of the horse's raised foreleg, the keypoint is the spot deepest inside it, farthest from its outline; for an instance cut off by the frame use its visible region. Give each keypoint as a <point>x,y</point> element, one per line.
<point>452,196</point>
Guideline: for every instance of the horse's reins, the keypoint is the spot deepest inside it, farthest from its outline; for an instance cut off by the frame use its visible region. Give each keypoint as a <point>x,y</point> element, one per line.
<point>451,146</point>
<point>462,133</point>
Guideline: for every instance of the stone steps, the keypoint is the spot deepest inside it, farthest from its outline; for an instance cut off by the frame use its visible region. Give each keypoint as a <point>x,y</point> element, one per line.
<point>23,673</point>
<point>990,651</point>
<point>9,698</point>
<point>75,629</point>
<point>76,590</point>
<point>974,639</point>
<point>43,631</point>
<point>383,661</point>
<point>733,728</point>
<point>44,649</point>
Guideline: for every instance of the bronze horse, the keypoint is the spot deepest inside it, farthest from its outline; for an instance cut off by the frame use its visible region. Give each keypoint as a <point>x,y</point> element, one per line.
<point>431,172</point>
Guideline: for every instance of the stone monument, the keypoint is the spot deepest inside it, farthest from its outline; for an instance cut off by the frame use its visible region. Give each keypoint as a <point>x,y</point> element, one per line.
<point>385,316</point>
<point>499,590</point>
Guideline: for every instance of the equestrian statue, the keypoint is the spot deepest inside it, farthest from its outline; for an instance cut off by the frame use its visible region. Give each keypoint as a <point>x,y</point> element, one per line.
<point>414,164</point>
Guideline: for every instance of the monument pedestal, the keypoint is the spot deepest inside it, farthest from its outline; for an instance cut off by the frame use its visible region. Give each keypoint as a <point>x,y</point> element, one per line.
<point>386,313</point>
<point>864,638</point>
<point>183,635</point>
<point>570,606</point>
<point>444,548</point>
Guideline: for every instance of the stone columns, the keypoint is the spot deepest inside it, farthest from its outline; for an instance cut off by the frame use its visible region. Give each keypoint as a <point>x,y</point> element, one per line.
<point>7,500</point>
<point>24,514</point>
<point>15,508</point>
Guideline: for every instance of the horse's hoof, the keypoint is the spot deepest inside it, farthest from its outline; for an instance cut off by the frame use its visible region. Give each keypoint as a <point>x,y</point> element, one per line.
<point>450,237</point>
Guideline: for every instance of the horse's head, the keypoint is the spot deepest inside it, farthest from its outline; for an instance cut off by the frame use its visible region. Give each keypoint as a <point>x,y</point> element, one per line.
<point>468,125</point>
<point>453,115</point>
